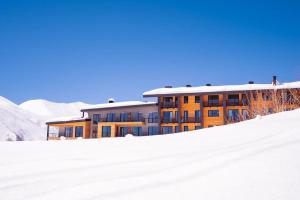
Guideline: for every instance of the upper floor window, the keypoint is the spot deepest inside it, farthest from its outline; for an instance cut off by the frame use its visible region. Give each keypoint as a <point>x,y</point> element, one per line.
<point>185,99</point>
<point>96,118</point>
<point>213,113</point>
<point>197,116</point>
<point>124,117</point>
<point>254,96</point>
<point>266,96</point>
<point>153,117</point>
<point>197,99</point>
<point>137,116</point>
<point>213,99</point>
<point>167,117</point>
<point>111,117</point>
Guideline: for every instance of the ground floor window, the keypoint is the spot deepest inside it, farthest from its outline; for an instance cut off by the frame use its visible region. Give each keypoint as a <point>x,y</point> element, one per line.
<point>186,128</point>
<point>176,129</point>
<point>167,129</point>
<point>137,131</point>
<point>79,131</point>
<point>106,131</point>
<point>153,130</point>
<point>69,132</point>
<point>198,127</point>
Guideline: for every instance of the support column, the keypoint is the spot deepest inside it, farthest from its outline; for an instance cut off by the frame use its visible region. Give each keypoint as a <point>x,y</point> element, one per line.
<point>47,132</point>
<point>179,113</point>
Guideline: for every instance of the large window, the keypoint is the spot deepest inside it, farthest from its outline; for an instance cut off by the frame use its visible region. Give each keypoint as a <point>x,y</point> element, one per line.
<point>153,130</point>
<point>176,129</point>
<point>111,117</point>
<point>185,116</point>
<point>106,131</point>
<point>124,117</point>
<point>185,128</point>
<point>69,132</point>
<point>79,131</point>
<point>96,118</point>
<point>153,117</point>
<point>197,99</point>
<point>137,117</point>
<point>233,115</point>
<point>213,113</point>
<point>213,100</point>
<point>167,117</point>
<point>197,116</point>
<point>233,99</point>
<point>124,131</point>
<point>167,129</point>
<point>177,119</point>
<point>185,99</point>
<point>137,131</point>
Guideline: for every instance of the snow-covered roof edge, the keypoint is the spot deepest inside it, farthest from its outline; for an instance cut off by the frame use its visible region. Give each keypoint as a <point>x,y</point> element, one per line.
<point>224,88</point>
<point>68,119</point>
<point>118,105</point>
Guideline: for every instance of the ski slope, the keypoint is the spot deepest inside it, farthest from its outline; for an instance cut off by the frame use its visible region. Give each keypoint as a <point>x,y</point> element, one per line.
<point>256,159</point>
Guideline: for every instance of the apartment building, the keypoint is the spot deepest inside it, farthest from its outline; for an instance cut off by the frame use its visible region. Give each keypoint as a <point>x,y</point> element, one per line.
<point>179,109</point>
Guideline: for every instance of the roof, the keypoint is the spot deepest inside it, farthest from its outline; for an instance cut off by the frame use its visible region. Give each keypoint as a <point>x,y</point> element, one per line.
<point>213,89</point>
<point>68,119</point>
<point>118,105</point>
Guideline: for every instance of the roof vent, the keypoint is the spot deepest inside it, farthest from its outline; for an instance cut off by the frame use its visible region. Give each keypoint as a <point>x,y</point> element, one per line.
<point>274,80</point>
<point>188,85</point>
<point>251,82</point>
<point>168,86</point>
<point>208,84</point>
<point>111,100</point>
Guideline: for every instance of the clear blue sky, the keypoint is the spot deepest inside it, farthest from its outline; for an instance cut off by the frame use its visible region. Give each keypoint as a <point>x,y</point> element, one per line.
<point>91,50</point>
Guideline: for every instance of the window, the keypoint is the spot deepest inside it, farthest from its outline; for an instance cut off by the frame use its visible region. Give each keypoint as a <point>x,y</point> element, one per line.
<point>213,100</point>
<point>254,96</point>
<point>233,99</point>
<point>153,130</point>
<point>69,132</point>
<point>213,113</point>
<point>167,129</point>
<point>197,116</point>
<point>185,116</point>
<point>124,131</point>
<point>197,99</point>
<point>177,129</point>
<point>245,114</point>
<point>111,117</point>
<point>266,96</point>
<point>124,117</point>
<point>185,128</point>
<point>96,118</point>
<point>137,117</point>
<point>233,115</point>
<point>106,131</point>
<point>198,127</point>
<point>185,99</point>
<point>79,131</point>
<point>270,110</point>
<point>167,117</point>
<point>153,117</point>
<point>137,131</point>
<point>177,116</point>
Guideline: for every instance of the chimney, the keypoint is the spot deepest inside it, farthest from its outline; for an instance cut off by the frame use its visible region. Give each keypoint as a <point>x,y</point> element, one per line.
<point>111,100</point>
<point>251,82</point>
<point>274,81</point>
<point>208,84</point>
<point>168,86</point>
<point>188,85</point>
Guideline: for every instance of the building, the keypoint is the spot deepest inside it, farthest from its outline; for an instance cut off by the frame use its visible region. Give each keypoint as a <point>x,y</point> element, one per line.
<point>113,119</point>
<point>190,108</point>
<point>179,109</point>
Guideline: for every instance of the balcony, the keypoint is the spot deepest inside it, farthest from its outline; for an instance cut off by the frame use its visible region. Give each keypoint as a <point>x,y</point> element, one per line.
<point>191,120</point>
<point>236,102</point>
<point>169,104</point>
<point>212,103</point>
<point>118,119</point>
<point>168,120</point>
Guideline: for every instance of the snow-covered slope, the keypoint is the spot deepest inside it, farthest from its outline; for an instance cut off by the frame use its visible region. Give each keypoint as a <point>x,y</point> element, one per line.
<point>18,124</point>
<point>49,110</point>
<point>256,159</point>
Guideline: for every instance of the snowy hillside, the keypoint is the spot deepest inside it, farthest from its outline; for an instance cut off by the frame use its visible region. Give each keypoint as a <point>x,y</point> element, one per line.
<point>50,110</point>
<point>27,121</point>
<point>256,159</point>
<point>18,124</point>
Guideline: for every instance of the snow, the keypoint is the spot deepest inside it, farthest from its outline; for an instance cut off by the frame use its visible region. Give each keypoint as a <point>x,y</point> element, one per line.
<point>255,159</point>
<point>27,121</point>
<point>224,88</point>
<point>67,119</point>
<point>49,110</point>
<point>118,104</point>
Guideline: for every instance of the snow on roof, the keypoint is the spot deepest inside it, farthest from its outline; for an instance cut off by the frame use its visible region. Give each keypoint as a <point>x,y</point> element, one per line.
<point>68,119</point>
<point>117,104</point>
<point>224,88</point>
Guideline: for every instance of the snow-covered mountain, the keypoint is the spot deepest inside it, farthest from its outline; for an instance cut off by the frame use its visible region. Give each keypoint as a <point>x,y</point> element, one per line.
<point>48,109</point>
<point>255,159</point>
<point>27,121</point>
<point>19,124</point>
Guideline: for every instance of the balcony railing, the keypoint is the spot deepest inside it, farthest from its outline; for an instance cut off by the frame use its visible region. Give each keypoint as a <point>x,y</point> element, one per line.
<point>191,120</point>
<point>212,103</point>
<point>236,102</point>
<point>169,120</point>
<point>118,119</point>
<point>168,104</point>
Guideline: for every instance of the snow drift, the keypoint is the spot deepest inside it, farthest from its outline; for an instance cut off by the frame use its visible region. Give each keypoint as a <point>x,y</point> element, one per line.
<point>255,159</point>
